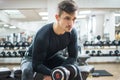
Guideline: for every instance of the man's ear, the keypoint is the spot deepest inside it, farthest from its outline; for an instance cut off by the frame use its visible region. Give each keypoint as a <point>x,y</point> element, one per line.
<point>57,17</point>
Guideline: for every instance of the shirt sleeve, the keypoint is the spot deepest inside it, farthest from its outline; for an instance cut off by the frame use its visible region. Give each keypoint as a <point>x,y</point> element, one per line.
<point>39,53</point>
<point>72,48</point>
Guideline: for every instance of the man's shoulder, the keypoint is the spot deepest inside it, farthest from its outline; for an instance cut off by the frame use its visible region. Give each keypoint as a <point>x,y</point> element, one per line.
<point>46,27</point>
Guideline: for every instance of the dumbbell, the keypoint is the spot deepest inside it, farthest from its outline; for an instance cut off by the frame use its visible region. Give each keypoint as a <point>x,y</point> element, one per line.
<point>15,44</point>
<point>116,52</point>
<point>115,42</point>
<point>87,43</point>
<point>100,43</point>
<point>25,44</point>
<point>92,53</point>
<point>60,73</point>
<point>93,43</point>
<point>2,54</point>
<point>68,72</point>
<point>19,44</point>
<point>99,52</point>
<point>8,54</point>
<point>21,53</point>
<point>8,45</point>
<point>87,52</point>
<point>110,53</point>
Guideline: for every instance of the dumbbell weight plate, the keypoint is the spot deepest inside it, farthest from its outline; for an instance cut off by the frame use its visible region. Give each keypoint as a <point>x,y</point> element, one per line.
<point>60,73</point>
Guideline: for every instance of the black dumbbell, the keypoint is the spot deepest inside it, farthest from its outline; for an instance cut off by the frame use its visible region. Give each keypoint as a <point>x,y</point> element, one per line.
<point>8,54</point>
<point>14,54</point>
<point>19,45</point>
<point>115,43</point>
<point>73,71</point>
<point>68,72</point>
<point>99,43</point>
<point>116,52</point>
<point>60,73</point>
<point>98,53</point>
<point>8,45</point>
<point>93,43</point>
<point>21,53</point>
<point>92,53</point>
<point>2,54</point>
<point>87,52</point>
<point>98,37</point>
<point>87,43</point>
<point>110,53</point>
<point>25,44</point>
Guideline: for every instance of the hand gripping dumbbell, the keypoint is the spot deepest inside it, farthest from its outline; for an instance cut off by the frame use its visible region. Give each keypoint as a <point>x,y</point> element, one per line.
<point>68,72</point>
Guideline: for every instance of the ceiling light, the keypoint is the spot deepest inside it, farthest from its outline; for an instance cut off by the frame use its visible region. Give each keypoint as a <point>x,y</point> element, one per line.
<point>13,27</point>
<point>14,13</point>
<point>116,14</point>
<point>6,25</point>
<point>43,13</point>
<point>85,12</point>
<point>81,16</point>
<point>44,18</point>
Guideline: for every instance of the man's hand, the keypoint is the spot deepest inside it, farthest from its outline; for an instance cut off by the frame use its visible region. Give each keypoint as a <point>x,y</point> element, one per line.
<point>47,78</point>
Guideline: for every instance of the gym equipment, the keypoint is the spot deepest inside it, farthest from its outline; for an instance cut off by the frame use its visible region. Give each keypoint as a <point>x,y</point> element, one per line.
<point>17,73</point>
<point>60,73</point>
<point>19,44</point>
<point>73,71</point>
<point>8,54</point>
<point>92,53</point>
<point>67,72</point>
<point>25,44</point>
<point>116,52</point>
<point>110,53</point>
<point>99,43</point>
<point>14,54</point>
<point>98,53</point>
<point>21,53</point>
<point>87,43</point>
<point>98,37</point>
<point>115,43</point>
<point>8,45</point>
<point>87,52</point>
<point>2,54</point>
<point>93,43</point>
<point>82,60</point>
<point>5,74</point>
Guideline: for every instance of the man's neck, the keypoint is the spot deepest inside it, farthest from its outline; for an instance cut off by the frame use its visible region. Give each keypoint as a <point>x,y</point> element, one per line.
<point>57,29</point>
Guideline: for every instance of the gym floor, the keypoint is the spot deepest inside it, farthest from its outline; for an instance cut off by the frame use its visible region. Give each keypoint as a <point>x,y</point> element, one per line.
<point>113,68</point>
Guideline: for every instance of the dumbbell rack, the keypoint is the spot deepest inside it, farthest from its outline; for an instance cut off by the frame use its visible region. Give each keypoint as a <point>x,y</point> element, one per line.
<point>12,53</point>
<point>103,53</point>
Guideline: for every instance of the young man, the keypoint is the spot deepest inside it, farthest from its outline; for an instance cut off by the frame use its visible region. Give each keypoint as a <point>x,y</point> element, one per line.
<point>54,37</point>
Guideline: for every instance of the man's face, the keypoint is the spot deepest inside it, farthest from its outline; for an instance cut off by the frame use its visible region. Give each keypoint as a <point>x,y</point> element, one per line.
<point>66,21</point>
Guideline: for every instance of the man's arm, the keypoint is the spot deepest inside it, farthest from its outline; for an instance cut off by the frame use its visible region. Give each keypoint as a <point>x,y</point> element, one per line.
<point>72,49</point>
<point>39,54</point>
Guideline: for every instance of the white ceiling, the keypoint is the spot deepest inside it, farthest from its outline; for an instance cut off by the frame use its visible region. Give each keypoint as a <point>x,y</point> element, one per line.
<point>31,8</point>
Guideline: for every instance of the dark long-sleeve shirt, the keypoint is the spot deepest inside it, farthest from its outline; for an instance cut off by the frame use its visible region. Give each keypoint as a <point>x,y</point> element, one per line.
<point>46,44</point>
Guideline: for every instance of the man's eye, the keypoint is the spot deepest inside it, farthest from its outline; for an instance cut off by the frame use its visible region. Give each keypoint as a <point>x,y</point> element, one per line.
<point>67,18</point>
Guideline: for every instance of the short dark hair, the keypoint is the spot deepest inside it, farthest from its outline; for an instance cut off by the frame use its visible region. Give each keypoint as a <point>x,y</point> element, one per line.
<point>68,6</point>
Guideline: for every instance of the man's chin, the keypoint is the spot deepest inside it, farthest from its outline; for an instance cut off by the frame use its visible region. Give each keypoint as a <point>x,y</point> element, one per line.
<point>69,30</point>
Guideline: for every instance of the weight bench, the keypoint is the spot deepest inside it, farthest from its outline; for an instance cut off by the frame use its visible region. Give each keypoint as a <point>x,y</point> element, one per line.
<point>5,74</point>
<point>86,70</point>
<point>17,73</point>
